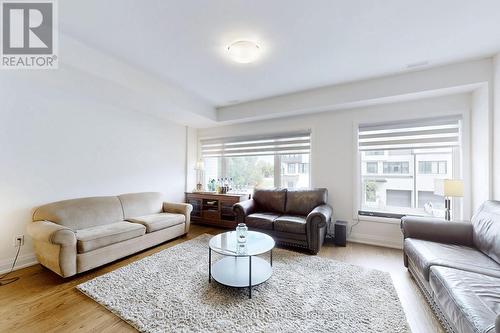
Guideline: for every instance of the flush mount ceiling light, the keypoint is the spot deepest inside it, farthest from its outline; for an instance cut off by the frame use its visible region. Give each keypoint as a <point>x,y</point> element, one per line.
<point>243,51</point>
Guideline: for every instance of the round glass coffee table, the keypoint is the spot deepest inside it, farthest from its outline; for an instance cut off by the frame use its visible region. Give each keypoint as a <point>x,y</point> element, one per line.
<point>240,268</point>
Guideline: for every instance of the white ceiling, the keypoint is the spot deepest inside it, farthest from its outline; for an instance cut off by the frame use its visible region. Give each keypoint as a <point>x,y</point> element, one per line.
<point>306,44</point>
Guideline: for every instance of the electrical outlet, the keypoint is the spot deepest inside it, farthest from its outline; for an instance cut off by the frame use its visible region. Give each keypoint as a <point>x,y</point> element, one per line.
<point>18,241</point>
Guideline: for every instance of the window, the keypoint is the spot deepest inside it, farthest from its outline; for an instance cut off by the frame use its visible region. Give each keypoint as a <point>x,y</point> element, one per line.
<point>248,172</point>
<point>303,168</point>
<point>426,198</point>
<point>432,167</point>
<point>396,167</point>
<point>398,198</point>
<point>412,156</point>
<point>264,161</point>
<point>371,167</point>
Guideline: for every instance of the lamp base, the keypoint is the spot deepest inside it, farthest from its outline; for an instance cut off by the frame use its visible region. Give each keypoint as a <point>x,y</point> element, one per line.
<point>447,207</point>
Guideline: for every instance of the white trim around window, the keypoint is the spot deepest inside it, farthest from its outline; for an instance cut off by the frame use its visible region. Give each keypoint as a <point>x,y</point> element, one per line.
<point>462,159</point>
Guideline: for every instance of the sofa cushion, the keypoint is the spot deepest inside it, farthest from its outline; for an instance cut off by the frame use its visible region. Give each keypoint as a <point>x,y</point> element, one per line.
<point>81,213</point>
<point>424,254</point>
<point>92,238</point>
<point>270,200</point>
<point>160,221</point>
<point>290,223</point>
<point>486,229</point>
<point>471,301</point>
<point>302,202</point>
<point>141,204</point>
<point>261,220</point>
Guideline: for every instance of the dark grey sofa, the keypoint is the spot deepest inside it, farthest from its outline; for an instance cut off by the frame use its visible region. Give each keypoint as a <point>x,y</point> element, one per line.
<point>457,266</point>
<point>295,218</point>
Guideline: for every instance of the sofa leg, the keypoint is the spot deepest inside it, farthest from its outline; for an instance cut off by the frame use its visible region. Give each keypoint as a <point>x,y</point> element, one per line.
<point>405,260</point>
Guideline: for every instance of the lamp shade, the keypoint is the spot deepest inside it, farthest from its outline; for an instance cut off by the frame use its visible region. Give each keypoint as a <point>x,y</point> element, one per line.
<point>449,187</point>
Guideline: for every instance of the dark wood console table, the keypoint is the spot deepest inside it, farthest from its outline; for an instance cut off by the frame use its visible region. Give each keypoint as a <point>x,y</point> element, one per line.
<point>214,209</point>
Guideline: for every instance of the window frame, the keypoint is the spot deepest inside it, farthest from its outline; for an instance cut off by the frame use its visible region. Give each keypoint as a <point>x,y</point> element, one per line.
<point>278,172</point>
<point>437,163</point>
<point>460,158</point>
<point>403,165</point>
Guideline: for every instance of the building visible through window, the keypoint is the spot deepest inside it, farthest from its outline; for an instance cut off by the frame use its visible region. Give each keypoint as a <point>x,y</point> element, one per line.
<point>432,167</point>
<point>371,167</point>
<point>396,167</point>
<point>399,163</point>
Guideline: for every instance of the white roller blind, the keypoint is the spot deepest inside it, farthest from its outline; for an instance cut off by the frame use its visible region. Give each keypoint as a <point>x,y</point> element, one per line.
<point>282,144</point>
<point>427,133</point>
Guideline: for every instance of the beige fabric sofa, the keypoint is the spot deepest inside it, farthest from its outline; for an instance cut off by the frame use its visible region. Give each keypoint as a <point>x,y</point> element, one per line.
<point>73,236</point>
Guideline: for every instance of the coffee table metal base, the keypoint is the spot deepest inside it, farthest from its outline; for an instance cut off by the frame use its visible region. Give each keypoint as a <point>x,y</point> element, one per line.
<point>241,272</point>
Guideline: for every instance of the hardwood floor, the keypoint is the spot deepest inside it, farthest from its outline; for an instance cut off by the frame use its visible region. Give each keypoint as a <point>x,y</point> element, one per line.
<point>41,301</point>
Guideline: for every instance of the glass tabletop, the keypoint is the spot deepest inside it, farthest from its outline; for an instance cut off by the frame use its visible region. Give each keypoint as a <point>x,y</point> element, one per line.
<point>227,244</point>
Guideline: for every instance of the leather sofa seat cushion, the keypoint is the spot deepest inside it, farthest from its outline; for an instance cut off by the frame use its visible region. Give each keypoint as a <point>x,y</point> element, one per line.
<point>141,204</point>
<point>290,223</point>
<point>160,221</point>
<point>486,229</point>
<point>261,220</point>
<point>81,213</point>
<point>469,300</point>
<point>302,202</point>
<point>270,200</point>
<point>424,254</point>
<point>100,236</point>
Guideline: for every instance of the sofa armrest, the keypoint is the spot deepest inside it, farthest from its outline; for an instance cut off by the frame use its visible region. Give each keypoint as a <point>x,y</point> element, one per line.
<point>319,216</point>
<point>179,208</point>
<point>55,246</point>
<point>316,222</point>
<point>50,232</point>
<point>436,230</point>
<point>243,209</point>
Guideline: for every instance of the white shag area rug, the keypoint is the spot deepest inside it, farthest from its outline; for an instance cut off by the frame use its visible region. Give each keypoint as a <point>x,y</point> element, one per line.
<point>169,292</point>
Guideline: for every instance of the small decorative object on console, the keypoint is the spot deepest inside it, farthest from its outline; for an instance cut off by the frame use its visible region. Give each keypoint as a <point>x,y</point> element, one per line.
<point>241,232</point>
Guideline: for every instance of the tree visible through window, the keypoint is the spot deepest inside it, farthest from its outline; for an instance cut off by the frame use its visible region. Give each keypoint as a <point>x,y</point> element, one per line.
<point>250,171</point>
<point>370,192</point>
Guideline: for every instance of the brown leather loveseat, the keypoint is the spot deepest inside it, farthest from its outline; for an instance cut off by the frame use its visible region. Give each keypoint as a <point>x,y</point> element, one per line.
<point>457,266</point>
<point>296,218</point>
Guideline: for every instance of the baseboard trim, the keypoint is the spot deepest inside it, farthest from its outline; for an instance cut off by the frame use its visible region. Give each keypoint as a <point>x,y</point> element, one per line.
<point>375,240</point>
<point>23,261</point>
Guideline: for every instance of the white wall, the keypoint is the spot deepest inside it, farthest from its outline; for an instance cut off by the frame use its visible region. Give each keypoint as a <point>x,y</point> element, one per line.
<point>496,127</point>
<point>191,159</point>
<point>58,144</point>
<point>481,147</point>
<point>333,151</point>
